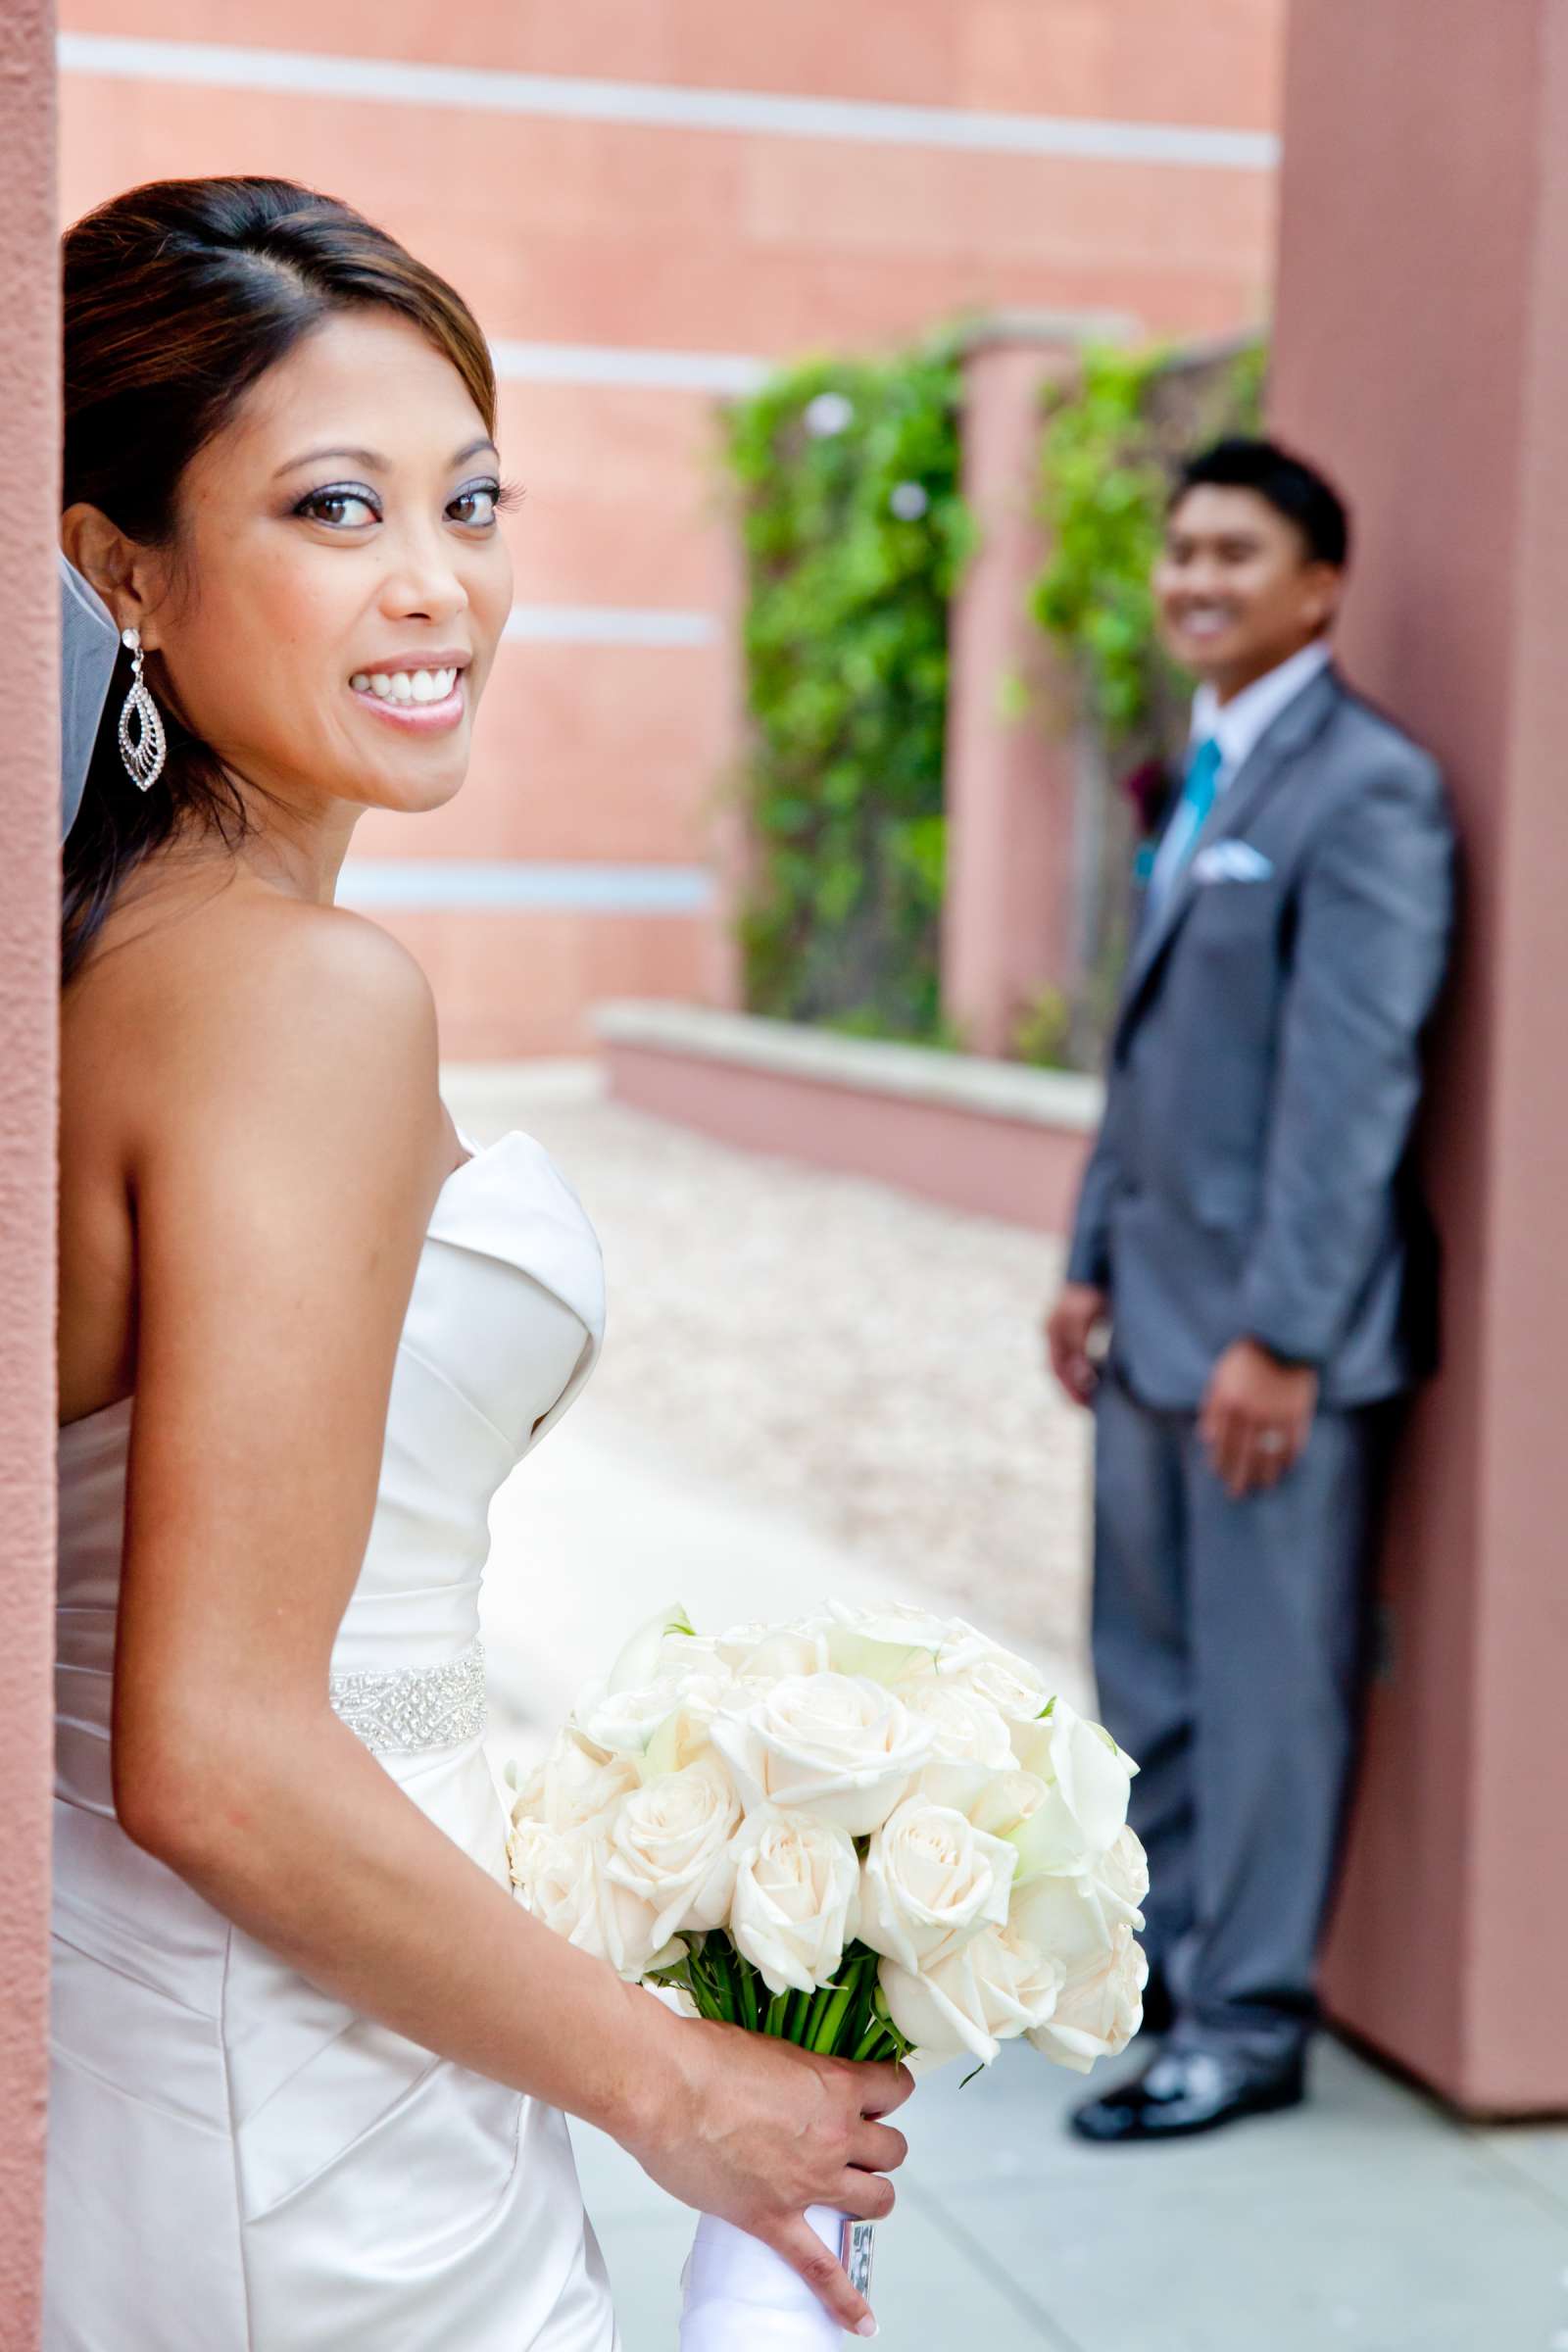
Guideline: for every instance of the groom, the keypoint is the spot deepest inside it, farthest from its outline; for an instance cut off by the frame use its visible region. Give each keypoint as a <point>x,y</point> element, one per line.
<point>1250,1234</point>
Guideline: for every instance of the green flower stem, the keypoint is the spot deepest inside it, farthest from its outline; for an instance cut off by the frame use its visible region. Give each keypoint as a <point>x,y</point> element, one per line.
<point>827,2025</point>
<point>710,2001</point>
<point>748,1984</point>
<point>777,2011</point>
<point>799,2006</point>
<point>709,1982</point>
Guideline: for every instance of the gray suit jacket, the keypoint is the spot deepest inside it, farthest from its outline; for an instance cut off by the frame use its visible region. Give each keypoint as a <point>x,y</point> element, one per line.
<point>1252,1175</point>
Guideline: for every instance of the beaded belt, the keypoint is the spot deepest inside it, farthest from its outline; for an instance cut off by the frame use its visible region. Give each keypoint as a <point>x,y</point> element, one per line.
<point>415,1706</point>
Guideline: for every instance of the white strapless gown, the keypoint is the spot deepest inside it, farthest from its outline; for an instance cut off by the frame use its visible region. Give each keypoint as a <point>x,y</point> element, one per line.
<point>238,2163</point>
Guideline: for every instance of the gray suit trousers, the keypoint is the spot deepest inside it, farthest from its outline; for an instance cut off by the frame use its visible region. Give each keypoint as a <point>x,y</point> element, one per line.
<point>1230,1650</point>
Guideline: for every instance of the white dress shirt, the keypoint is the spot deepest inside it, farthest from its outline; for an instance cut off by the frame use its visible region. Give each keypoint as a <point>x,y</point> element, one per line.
<point>1238,726</point>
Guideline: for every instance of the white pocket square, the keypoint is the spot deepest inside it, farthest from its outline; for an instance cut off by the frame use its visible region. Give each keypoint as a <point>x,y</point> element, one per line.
<point>1231,861</point>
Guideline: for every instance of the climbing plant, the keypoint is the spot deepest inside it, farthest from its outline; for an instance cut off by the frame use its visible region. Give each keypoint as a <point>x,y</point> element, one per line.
<point>853,533</point>
<point>1111,443</point>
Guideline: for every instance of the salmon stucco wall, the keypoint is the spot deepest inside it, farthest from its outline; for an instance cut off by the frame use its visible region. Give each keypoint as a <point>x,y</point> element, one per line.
<point>1421,356</point>
<point>649,203</point>
<point>28,920</point>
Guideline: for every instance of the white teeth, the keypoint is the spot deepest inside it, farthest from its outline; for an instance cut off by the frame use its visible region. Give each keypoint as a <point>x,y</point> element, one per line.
<point>406,685</point>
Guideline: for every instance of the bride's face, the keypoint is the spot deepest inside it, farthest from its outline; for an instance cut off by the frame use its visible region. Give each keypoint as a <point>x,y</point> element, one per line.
<point>344,527</point>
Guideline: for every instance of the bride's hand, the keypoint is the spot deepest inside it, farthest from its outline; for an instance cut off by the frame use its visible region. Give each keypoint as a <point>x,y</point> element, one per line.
<point>755,2129</point>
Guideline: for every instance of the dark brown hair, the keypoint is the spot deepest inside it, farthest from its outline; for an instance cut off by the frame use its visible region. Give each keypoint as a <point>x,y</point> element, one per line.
<point>178,296</point>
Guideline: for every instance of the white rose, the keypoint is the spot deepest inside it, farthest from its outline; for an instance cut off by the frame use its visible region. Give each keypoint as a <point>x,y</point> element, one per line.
<point>567,1886</point>
<point>966,1728</point>
<point>529,1845</point>
<point>835,1742</point>
<point>681,1654</point>
<point>686,1734</point>
<point>994,1987</point>
<point>765,1653</point>
<point>1006,1802</point>
<point>971,1744</point>
<point>621,1723</point>
<point>796,1903</point>
<point>901,1623</point>
<point>668,1844</point>
<point>1087,1924</point>
<point>1098,2011</point>
<point>1122,1873</point>
<point>894,1645</point>
<point>931,1879</point>
<point>1076,1914</point>
<point>573,1785</point>
<point>1016,1689</point>
<point>1087,1778</point>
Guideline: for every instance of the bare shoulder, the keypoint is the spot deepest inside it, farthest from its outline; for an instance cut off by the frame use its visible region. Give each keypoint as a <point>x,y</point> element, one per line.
<point>247,1015</point>
<point>245,1079</point>
<point>297,976</point>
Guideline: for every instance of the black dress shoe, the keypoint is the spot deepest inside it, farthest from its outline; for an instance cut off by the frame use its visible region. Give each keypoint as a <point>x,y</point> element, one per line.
<point>1185,2092</point>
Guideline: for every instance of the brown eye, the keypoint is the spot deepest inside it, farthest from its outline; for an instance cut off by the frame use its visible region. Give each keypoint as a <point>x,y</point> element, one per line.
<point>319,501</point>
<point>489,494</point>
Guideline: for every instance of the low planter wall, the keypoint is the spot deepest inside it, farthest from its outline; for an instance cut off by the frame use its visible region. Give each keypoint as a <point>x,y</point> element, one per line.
<point>990,1137</point>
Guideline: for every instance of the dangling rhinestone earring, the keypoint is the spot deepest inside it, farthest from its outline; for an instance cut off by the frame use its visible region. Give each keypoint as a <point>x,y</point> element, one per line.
<point>143,757</point>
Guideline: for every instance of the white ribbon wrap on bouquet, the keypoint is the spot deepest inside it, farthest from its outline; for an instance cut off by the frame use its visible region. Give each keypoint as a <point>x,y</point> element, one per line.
<point>742,2298</point>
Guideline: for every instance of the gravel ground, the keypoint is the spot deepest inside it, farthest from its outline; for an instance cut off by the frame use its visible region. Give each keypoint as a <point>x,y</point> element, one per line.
<point>830,1349</point>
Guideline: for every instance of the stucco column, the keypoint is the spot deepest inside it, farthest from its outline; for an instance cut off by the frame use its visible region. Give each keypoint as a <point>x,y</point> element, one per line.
<point>1423,356</point>
<point>29,802</point>
<point>1012,776</point>
<point>733,848</point>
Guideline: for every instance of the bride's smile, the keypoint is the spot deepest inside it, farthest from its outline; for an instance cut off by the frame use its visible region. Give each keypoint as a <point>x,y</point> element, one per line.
<point>422,700</point>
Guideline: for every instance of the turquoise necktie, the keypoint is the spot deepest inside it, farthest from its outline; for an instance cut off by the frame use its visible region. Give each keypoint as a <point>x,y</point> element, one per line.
<point>1191,815</point>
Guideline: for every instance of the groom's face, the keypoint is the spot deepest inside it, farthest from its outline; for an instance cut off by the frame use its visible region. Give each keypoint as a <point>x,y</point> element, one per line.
<point>1237,588</point>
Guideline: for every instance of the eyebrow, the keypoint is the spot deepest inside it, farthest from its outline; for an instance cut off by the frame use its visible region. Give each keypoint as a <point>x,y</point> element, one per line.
<point>373,456</point>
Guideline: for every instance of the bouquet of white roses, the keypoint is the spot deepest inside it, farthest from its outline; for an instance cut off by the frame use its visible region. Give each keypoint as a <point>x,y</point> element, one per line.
<point>877,1834</point>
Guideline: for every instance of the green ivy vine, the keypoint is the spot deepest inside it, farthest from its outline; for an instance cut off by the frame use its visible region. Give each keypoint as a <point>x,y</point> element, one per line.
<point>855,533</point>
<point>1111,445</point>
<point>1113,442</point>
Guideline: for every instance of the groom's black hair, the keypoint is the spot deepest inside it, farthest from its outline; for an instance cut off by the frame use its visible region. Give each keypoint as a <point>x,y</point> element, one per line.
<point>1291,486</point>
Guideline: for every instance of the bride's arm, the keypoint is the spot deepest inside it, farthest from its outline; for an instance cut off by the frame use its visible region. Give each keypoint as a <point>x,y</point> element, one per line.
<point>292,1151</point>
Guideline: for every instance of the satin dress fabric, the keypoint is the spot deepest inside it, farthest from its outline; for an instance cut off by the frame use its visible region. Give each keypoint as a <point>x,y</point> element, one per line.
<point>239,2162</point>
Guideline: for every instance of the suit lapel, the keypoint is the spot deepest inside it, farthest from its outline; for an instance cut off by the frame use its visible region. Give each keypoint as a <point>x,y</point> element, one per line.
<point>1259,776</point>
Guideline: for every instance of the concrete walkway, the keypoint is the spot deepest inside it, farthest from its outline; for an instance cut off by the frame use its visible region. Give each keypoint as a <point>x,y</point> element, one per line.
<point>1370,2220</point>
<point>1367,2221</point>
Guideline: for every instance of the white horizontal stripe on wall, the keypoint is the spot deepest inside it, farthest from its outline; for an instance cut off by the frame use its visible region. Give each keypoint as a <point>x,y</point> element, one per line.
<point>614,364</point>
<point>667,105</point>
<point>524,886</point>
<point>607,624</point>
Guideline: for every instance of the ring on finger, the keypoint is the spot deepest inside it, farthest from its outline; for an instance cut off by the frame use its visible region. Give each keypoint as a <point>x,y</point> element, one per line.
<point>1272,1441</point>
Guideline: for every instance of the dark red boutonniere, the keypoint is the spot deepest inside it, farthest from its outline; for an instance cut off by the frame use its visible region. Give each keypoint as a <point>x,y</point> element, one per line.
<point>1151,789</point>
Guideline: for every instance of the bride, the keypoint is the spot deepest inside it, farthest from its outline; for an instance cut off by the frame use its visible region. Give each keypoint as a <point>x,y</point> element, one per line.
<point>310,2059</point>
